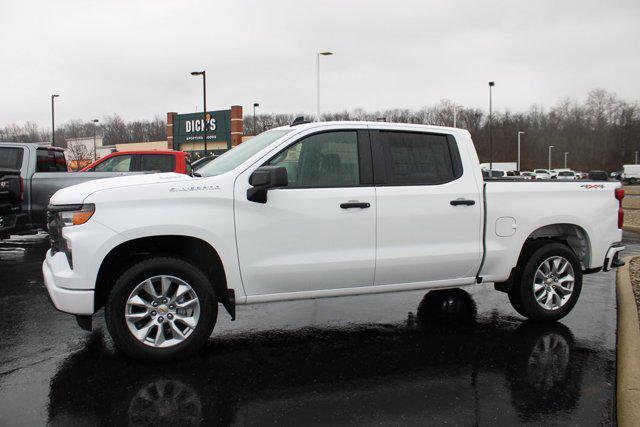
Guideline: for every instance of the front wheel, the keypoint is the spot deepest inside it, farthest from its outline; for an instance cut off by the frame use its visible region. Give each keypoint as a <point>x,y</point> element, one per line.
<point>548,282</point>
<point>160,309</point>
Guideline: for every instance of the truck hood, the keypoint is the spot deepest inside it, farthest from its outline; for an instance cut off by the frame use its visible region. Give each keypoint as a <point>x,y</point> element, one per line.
<point>77,193</point>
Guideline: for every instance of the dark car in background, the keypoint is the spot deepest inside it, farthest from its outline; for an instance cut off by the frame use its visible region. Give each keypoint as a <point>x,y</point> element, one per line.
<point>598,175</point>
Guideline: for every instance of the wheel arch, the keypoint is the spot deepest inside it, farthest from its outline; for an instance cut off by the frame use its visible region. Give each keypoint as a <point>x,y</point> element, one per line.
<point>573,235</point>
<point>192,249</point>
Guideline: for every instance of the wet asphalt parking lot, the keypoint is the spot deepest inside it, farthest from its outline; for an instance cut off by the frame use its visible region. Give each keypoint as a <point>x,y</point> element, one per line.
<point>456,357</point>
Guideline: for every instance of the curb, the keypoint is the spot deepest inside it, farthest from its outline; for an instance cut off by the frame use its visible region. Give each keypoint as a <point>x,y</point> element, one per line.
<point>632,228</point>
<point>628,352</point>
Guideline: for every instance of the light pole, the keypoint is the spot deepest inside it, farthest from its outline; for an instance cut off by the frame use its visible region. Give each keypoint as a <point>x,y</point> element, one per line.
<point>455,113</point>
<point>636,157</point>
<point>204,103</point>
<point>95,156</point>
<point>491,84</point>
<point>550,147</point>
<point>255,131</point>
<point>318,79</point>
<point>53,122</point>
<point>519,134</point>
<point>566,153</point>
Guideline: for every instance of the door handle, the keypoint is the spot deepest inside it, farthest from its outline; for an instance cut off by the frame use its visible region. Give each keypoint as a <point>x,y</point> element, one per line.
<point>465,202</point>
<point>350,205</point>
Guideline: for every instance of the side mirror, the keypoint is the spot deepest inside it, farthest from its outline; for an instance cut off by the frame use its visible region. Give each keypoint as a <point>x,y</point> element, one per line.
<point>265,178</point>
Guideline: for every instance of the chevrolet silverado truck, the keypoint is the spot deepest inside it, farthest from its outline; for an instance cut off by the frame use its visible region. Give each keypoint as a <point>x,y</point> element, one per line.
<point>30,173</point>
<point>319,210</point>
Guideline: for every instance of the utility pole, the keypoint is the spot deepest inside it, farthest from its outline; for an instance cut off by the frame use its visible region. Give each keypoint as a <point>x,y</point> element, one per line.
<point>455,113</point>
<point>255,131</point>
<point>204,103</point>
<point>95,154</point>
<point>491,84</point>
<point>318,81</point>
<point>565,159</point>
<point>53,121</point>
<point>550,147</point>
<point>519,134</point>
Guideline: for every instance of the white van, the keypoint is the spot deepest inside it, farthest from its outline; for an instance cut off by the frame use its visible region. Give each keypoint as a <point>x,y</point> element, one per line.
<point>631,173</point>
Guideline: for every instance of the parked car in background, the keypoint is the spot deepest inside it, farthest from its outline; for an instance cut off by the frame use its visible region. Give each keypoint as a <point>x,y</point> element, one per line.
<point>527,175</point>
<point>617,175</point>
<point>378,207</point>
<point>631,174</point>
<point>489,174</point>
<point>142,161</point>
<point>598,175</point>
<point>567,175</point>
<point>202,162</point>
<point>542,173</point>
<point>500,166</point>
<point>40,171</point>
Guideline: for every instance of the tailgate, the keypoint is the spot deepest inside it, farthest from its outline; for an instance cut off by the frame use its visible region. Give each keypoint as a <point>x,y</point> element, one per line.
<point>10,190</point>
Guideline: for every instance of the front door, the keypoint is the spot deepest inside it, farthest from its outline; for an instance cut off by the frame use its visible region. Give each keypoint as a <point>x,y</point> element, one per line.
<point>307,237</point>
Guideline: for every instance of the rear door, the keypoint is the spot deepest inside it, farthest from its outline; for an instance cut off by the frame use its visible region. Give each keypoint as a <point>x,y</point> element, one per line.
<point>429,212</point>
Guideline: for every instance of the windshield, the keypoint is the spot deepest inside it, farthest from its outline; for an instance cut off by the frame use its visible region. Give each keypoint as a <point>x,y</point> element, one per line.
<point>541,171</point>
<point>565,173</point>
<point>240,153</point>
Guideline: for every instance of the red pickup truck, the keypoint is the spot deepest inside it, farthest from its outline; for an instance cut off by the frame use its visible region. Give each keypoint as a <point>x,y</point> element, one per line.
<point>142,161</point>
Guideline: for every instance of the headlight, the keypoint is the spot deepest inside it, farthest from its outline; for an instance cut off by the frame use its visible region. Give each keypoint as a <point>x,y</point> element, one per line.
<point>76,215</point>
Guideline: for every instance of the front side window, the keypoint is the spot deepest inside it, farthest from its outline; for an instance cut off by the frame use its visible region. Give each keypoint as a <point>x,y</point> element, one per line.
<point>115,164</point>
<point>158,163</point>
<point>413,158</point>
<point>327,159</point>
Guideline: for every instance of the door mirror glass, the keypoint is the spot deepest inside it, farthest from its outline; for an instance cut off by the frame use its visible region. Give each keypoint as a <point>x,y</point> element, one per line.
<point>263,179</point>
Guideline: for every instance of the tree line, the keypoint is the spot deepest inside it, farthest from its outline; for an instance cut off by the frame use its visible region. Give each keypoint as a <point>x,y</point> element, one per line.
<point>602,132</point>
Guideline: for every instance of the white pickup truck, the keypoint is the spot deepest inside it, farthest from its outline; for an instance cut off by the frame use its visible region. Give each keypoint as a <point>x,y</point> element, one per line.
<point>319,210</point>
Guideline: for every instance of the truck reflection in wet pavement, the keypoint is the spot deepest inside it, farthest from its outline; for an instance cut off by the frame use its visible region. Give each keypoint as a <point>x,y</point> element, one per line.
<point>443,364</point>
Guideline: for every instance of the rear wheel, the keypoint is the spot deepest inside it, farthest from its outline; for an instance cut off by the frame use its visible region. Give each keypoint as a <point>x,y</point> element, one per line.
<point>548,282</point>
<point>161,309</point>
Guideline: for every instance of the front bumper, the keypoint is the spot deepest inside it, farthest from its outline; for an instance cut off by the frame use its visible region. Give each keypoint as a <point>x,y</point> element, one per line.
<point>57,275</point>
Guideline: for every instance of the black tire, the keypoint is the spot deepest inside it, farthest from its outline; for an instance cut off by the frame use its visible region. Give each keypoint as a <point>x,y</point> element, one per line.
<point>522,296</point>
<point>116,304</point>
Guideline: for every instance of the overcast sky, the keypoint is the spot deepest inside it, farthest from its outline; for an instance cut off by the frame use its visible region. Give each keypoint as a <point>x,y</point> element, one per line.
<point>134,57</point>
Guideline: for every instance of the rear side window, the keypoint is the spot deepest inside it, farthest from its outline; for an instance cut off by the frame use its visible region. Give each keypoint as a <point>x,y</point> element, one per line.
<point>10,158</point>
<point>413,158</point>
<point>115,164</point>
<point>158,162</point>
<point>50,161</point>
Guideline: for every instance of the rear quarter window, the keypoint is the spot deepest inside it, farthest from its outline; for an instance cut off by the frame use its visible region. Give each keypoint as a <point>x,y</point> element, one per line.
<point>50,161</point>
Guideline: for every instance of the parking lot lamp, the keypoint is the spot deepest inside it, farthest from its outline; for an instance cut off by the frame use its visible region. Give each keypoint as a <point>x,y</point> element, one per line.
<point>255,131</point>
<point>53,122</point>
<point>566,153</point>
<point>318,80</point>
<point>636,157</point>
<point>519,134</point>
<point>550,147</point>
<point>204,103</point>
<point>94,140</point>
<point>455,113</point>
<point>491,84</point>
